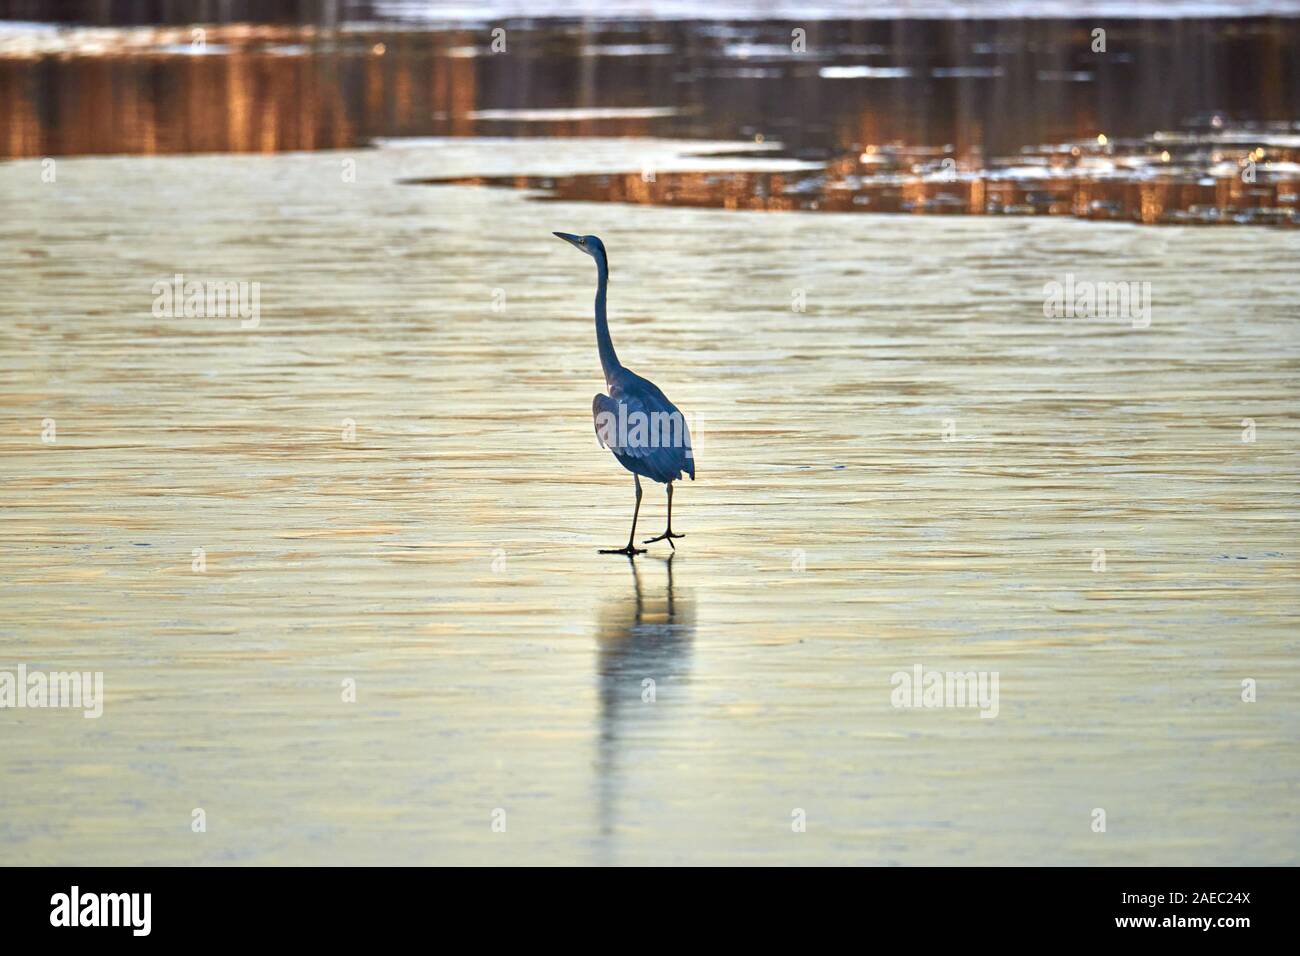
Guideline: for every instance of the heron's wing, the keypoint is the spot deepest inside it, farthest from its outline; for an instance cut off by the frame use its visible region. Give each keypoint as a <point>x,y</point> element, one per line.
<point>604,415</point>
<point>645,431</point>
<point>673,435</point>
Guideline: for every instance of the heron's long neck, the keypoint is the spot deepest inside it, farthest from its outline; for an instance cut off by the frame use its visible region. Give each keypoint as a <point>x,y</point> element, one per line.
<point>608,358</point>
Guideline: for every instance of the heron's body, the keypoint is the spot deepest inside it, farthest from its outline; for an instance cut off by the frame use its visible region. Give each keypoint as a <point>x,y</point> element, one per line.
<point>645,431</point>
<point>658,462</point>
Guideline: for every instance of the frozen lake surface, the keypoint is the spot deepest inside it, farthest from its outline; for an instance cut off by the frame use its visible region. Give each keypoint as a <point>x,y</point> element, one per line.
<point>919,468</point>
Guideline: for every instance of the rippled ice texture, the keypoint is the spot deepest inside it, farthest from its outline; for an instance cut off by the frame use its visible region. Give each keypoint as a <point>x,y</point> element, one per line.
<point>446,559</point>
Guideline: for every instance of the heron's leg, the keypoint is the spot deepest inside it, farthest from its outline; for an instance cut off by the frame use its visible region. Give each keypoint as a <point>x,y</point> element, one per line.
<point>669,534</point>
<point>629,550</point>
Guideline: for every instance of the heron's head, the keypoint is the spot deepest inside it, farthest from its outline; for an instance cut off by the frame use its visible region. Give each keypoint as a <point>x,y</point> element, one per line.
<point>591,245</point>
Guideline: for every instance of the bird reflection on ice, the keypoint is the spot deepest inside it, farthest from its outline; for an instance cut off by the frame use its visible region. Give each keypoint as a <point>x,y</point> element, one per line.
<point>643,636</point>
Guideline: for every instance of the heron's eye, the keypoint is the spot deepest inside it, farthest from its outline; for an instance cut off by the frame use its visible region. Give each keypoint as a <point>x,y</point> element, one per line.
<point>582,242</point>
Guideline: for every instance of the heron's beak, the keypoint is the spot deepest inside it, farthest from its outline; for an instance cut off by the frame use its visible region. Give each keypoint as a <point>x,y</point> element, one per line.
<point>568,238</point>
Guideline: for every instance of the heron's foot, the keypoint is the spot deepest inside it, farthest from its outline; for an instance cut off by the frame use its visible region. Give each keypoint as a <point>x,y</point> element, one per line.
<point>667,535</point>
<point>629,551</point>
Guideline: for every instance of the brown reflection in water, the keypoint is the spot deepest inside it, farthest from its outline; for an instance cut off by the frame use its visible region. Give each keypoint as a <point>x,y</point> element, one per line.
<point>908,116</point>
<point>978,87</point>
<point>249,90</point>
<point>1242,177</point>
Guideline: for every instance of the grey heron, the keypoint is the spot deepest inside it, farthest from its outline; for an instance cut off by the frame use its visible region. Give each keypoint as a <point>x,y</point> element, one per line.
<point>635,421</point>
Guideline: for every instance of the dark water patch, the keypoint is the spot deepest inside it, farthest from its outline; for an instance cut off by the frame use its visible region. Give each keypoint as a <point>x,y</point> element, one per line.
<point>976,88</point>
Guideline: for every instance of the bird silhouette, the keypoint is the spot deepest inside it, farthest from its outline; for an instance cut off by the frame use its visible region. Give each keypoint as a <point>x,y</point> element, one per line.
<point>635,421</point>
